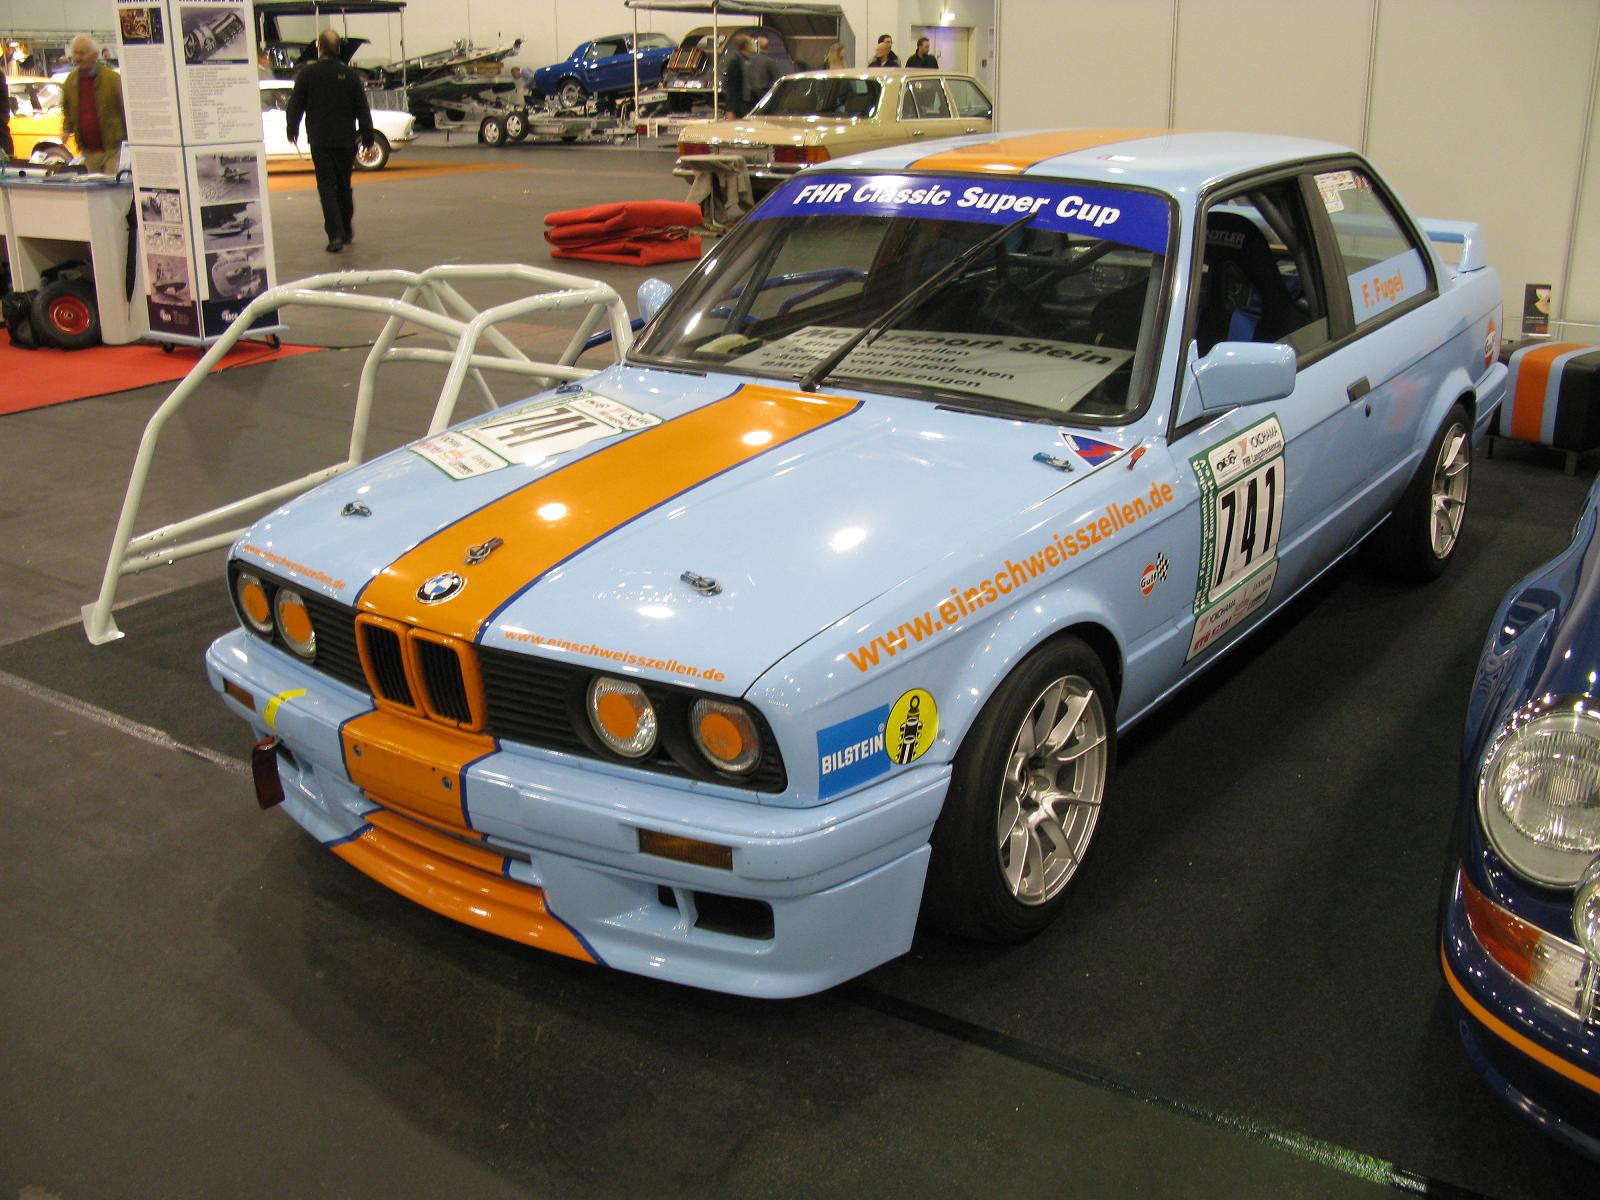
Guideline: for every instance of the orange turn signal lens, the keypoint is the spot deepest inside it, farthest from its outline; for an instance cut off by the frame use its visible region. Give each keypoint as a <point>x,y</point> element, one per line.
<point>239,694</point>
<point>294,623</point>
<point>726,735</point>
<point>1510,941</point>
<point>622,716</point>
<point>682,849</point>
<point>253,602</point>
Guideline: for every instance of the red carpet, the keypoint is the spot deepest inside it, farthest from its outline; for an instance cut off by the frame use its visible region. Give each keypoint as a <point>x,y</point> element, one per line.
<point>38,378</point>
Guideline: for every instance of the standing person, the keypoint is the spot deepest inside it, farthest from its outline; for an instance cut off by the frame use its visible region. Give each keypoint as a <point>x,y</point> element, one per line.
<point>91,107</point>
<point>923,57</point>
<point>760,73</point>
<point>835,60</point>
<point>884,55</point>
<point>734,68</point>
<point>330,97</point>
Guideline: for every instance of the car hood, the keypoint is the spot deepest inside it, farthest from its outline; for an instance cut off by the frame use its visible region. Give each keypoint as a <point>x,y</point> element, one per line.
<point>734,522</point>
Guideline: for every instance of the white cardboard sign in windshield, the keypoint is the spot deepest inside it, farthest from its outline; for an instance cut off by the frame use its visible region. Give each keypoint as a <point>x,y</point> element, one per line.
<point>1051,374</point>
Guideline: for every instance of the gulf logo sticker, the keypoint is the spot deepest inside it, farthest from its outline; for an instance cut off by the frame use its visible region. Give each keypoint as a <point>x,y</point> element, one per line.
<point>1091,450</point>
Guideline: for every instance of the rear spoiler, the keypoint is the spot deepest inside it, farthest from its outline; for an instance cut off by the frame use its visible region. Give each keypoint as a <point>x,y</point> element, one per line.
<point>1467,234</point>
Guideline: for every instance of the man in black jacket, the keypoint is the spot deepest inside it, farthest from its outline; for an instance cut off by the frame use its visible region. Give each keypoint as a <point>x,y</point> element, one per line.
<point>330,97</point>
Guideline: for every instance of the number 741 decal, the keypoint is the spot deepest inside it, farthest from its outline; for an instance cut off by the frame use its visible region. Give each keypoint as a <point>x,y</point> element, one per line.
<point>1242,483</point>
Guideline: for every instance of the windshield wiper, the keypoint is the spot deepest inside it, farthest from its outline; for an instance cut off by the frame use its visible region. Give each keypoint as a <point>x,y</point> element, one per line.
<point>924,290</point>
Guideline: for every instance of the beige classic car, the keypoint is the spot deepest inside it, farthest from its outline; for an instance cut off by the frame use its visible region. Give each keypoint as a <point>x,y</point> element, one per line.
<point>822,115</point>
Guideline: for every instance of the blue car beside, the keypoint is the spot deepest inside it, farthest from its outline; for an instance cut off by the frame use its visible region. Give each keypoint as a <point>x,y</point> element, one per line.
<point>821,612</point>
<point>604,67</point>
<point>1520,918</point>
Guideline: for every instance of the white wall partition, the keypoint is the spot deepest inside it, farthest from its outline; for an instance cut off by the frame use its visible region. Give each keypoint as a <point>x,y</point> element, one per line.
<point>1477,109</point>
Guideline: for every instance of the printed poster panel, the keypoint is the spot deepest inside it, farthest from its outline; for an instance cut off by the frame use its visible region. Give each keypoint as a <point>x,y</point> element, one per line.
<point>149,84</point>
<point>164,243</point>
<point>233,238</point>
<point>218,92</point>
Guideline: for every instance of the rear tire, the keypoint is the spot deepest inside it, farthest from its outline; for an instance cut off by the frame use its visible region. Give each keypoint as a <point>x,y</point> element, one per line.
<point>516,125</point>
<point>492,132</point>
<point>65,315</point>
<point>1025,798</point>
<point>1420,537</point>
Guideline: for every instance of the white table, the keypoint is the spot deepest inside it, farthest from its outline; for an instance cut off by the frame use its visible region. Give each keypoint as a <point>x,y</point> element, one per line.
<point>61,220</point>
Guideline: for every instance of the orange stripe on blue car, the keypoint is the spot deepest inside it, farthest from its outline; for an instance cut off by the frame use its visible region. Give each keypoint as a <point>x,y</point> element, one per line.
<point>1009,155</point>
<point>548,521</point>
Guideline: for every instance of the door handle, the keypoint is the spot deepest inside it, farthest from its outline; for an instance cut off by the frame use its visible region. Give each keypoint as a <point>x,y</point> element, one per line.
<point>1358,389</point>
<point>971,129</point>
<point>918,132</point>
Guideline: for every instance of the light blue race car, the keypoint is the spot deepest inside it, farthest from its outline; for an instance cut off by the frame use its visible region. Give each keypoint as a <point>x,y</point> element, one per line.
<point>826,607</point>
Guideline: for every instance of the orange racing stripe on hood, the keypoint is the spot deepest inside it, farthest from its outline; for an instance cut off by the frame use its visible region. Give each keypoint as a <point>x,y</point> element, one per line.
<point>548,521</point>
<point>1013,154</point>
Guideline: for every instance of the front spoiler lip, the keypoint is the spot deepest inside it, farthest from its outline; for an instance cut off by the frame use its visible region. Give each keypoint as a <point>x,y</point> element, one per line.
<point>843,879</point>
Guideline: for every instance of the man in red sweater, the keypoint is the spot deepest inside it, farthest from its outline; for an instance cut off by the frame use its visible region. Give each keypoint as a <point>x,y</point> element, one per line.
<point>91,107</point>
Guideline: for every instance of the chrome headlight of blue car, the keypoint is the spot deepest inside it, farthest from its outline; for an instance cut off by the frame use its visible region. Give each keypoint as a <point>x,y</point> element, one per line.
<point>1539,791</point>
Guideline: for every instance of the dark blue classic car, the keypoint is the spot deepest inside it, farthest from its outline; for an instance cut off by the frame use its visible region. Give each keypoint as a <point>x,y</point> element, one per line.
<point>1520,917</point>
<point>604,66</point>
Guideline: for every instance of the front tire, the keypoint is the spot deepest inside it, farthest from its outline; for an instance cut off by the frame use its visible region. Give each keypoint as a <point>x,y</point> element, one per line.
<point>1420,537</point>
<point>492,132</point>
<point>516,125</point>
<point>375,159</point>
<point>1025,798</point>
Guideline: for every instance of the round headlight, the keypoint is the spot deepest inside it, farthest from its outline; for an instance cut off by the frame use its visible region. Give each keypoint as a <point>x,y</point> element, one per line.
<point>622,716</point>
<point>1586,910</point>
<point>294,623</point>
<point>254,604</point>
<point>1539,792</point>
<point>726,735</point>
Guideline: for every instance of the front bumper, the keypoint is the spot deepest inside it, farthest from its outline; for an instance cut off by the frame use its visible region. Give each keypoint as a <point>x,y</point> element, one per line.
<point>546,848</point>
<point>1540,1060</point>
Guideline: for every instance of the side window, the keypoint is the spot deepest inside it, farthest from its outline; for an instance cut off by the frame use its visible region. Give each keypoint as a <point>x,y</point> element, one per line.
<point>1259,279</point>
<point>969,99</point>
<point>1383,267</point>
<point>923,99</point>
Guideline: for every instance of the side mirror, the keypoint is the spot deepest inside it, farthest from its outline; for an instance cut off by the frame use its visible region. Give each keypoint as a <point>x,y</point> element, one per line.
<point>1238,373</point>
<point>653,293</point>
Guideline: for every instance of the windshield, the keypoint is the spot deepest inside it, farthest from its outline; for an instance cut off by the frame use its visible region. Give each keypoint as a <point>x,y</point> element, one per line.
<point>798,96</point>
<point>1058,320</point>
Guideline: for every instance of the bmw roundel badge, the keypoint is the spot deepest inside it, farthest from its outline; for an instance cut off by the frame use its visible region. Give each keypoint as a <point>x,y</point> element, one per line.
<point>440,588</point>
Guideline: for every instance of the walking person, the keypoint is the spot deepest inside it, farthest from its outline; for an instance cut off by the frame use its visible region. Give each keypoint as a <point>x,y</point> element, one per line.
<point>923,57</point>
<point>91,107</point>
<point>329,95</point>
<point>735,70</point>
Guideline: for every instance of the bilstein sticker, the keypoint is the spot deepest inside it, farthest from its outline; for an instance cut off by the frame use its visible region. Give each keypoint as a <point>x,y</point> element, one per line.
<point>872,744</point>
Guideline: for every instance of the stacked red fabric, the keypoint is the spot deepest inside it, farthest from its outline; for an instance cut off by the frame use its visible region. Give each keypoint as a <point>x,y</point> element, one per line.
<point>640,232</point>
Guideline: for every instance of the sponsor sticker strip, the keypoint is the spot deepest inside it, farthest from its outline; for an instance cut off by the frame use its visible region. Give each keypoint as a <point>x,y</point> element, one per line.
<point>1133,218</point>
<point>530,435</point>
<point>1061,549</point>
<point>627,657</point>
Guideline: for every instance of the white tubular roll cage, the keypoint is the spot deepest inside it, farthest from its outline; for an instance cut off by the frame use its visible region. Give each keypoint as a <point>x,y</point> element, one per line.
<point>431,301</point>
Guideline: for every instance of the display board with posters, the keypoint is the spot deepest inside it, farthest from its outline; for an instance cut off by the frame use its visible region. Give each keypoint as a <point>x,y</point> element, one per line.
<point>193,106</point>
